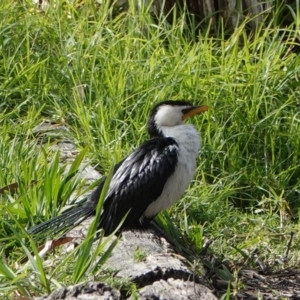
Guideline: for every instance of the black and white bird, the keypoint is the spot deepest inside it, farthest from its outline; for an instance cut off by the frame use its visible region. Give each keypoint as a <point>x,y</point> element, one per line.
<point>147,181</point>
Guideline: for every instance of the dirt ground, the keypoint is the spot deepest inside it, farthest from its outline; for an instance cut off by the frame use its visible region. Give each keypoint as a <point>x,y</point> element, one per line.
<point>284,284</point>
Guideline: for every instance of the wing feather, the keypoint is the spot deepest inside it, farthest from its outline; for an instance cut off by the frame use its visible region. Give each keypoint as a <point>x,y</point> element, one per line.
<point>138,182</point>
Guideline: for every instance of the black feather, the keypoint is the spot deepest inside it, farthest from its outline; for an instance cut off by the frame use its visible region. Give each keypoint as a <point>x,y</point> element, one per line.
<point>138,182</point>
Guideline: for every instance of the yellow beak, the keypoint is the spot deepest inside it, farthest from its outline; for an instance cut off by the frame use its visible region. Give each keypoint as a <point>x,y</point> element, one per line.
<point>194,111</point>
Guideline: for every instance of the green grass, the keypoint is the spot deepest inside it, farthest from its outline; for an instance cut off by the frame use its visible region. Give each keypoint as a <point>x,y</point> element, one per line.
<point>99,74</point>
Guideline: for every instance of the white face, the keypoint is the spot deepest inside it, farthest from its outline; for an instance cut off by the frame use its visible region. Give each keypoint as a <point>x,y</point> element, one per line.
<point>169,115</point>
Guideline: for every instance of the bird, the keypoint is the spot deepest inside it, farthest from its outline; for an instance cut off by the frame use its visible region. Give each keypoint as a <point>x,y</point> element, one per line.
<point>149,180</point>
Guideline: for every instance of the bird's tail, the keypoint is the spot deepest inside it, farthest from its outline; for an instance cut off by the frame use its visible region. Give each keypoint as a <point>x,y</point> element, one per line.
<point>71,217</point>
<point>64,222</point>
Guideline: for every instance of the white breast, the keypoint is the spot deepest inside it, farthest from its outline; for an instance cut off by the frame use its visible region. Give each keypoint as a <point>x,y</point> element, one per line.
<point>189,143</point>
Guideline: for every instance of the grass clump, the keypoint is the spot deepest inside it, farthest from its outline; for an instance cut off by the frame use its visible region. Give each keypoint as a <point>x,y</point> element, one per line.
<point>100,74</point>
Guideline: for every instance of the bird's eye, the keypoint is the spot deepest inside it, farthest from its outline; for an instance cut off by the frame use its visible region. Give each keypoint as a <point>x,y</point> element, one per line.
<point>186,110</point>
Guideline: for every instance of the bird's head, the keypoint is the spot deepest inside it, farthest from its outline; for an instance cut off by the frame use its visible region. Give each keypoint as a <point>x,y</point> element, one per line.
<point>171,113</point>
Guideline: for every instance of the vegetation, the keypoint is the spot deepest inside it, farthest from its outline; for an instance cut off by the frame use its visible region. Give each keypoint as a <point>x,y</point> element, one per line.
<point>98,73</point>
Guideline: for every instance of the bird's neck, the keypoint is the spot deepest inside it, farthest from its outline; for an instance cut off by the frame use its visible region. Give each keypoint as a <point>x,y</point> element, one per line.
<point>185,135</point>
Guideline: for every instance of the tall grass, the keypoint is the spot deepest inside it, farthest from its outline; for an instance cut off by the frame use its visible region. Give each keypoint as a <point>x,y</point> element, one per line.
<point>100,73</point>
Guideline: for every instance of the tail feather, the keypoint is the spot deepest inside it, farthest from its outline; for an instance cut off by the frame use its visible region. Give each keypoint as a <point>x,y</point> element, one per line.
<point>71,217</point>
<point>66,221</point>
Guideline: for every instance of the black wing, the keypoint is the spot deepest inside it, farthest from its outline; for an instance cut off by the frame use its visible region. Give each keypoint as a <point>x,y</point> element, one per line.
<point>138,181</point>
